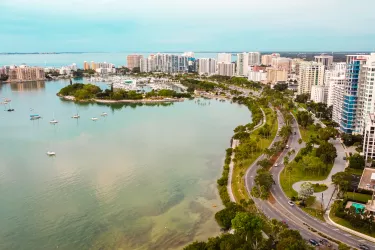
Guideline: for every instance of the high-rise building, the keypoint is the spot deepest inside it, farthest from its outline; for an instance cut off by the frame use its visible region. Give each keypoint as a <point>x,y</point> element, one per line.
<point>276,75</point>
<point>267,59</point>
<point>133,61</point>
<point>242,64</point>
<point>366,93</point>
<point>369,137</point>
<point>317,93</point>
<point>86,65</point>
<point>93,65</point>
<point>326,60</point>
<point>224,58</point>
<point>166,63</point>
<point>282,63</point>
<point>226,69</point>
<point>350,100</point>
<point>336,91</point>
<point>254,58</point>
<point>309,74</point>
<point>207,66</point>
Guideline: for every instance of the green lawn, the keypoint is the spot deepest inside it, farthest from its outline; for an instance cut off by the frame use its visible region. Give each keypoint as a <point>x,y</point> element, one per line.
<point>288,179</point>
<point>307,133</point>
<point>320,188</point>
<point>364,198</point>
<point>238,182</point>
<point>314,212</point>
<point>346,223</point>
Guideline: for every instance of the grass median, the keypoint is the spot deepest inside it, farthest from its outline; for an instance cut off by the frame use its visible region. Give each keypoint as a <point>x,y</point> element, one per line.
<point>238,182</point>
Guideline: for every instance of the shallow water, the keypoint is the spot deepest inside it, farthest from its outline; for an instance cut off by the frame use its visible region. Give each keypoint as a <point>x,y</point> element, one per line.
<point>144,177</point>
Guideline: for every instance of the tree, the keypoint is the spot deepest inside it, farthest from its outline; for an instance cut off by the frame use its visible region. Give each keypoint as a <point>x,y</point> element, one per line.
<point>300,141</point>
<point>286,160</point>
<point>197,245</point>
<point>303,98</point>
<point>281,87</point>
<point>327,152</point>
<point>357,161</point>
<point>224,217</point>
<point>3,77</point>
<point>306,191</point>
<point>291,240</point>
<point>286,131</point>
<point>264,182</point>
<point>245,222</point>
<point>342,181</point>
<point>265,163</point>
<point>326,133</point>
<point>304,118</point>
<point>136,70</point>
<point>350,139</point>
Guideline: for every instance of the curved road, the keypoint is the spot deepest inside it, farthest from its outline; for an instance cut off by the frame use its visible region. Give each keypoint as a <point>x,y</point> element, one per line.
<point>294,216</point>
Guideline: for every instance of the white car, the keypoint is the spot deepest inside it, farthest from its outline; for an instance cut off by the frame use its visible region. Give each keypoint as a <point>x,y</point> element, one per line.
<point>291,203</point>
<point>276,165</point>
<point>287,146</point>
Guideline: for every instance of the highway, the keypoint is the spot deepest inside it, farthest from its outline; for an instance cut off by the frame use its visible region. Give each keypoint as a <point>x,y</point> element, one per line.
<point>293,215</point>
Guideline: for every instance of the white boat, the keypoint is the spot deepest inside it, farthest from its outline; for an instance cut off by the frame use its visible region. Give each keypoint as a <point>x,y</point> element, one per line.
<point>53,121</point>
<point>51,153</point>
<point>104,114</point>
<point>94,118</point>
<point>76,116</point>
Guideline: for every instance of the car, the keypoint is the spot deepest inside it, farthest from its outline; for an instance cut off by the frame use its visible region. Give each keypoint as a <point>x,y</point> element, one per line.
<point>276,165</point>
<point>325,242</point>
<point>344,158</point>
<point>295,133</point>
<point>291,203</point>
<point>313,242</point>
<point>287,146</point>
<point>364,247</point>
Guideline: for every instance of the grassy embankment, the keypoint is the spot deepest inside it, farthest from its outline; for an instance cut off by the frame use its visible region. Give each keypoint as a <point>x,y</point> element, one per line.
<point>238,182</point>
<point>347,224</point>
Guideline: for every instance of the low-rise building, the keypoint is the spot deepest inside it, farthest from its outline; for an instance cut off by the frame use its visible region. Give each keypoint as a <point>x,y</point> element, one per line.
<point>257,76</point>
<point>26,73</point>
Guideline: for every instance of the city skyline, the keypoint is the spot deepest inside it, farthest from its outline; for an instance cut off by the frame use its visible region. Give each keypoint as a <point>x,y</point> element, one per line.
<point>146,25</point>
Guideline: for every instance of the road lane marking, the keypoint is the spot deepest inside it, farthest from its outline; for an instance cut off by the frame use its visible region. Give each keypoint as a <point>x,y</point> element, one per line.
<point>336,229</point>
<point>347,235</point>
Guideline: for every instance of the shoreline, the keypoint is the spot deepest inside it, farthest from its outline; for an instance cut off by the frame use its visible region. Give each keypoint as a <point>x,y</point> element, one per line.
<point>165,100</point>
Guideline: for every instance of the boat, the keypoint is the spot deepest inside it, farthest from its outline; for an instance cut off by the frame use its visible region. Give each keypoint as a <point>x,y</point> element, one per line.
<point>10,110</point>
<point>94,118</point>
<point>35,117</point>
<point>76,116</point>
<point>104,114</point>
<point>51,153</point>
<point>53,121</point>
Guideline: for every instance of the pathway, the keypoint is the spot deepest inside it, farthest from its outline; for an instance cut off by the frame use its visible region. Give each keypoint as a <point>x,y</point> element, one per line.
<point>339,165</point>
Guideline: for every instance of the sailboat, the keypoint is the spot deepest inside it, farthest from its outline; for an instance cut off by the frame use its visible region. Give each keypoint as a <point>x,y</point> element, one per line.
<point>53,121</point>
<point>94,118</point>
<point>76,116</point>
<point>104,114</point>
<point>10,108</point>
<point>51,153</point>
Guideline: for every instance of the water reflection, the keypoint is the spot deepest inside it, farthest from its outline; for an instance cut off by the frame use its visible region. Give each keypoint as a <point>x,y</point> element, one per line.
<point>28,86</point>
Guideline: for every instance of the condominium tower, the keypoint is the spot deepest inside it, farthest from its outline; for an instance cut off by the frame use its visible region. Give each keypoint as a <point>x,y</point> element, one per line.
<point>226,69</point>
<point>207,66</point>
<point>309,74</point>
<point>133,61</point>
<point>224,58</point>
<point>326,60</point>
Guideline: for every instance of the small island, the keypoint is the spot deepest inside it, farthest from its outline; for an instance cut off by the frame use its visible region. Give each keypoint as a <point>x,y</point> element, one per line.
<point>92,93</point>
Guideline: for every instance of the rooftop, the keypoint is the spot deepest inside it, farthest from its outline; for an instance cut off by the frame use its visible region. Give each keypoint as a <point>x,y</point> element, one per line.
<point>367,181</point>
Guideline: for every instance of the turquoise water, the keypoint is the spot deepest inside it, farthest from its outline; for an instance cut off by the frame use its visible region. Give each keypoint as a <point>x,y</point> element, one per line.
<point>144,177</point>
<point>358,207</point>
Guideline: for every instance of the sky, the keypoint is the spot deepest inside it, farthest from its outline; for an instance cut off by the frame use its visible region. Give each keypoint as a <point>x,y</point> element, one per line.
<point>186,25</point>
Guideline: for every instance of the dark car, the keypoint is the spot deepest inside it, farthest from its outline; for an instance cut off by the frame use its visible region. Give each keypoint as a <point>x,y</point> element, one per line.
<point>313,242</point>
<point>364,247</point>
<point>325,242</point>
<point>295,133</point>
